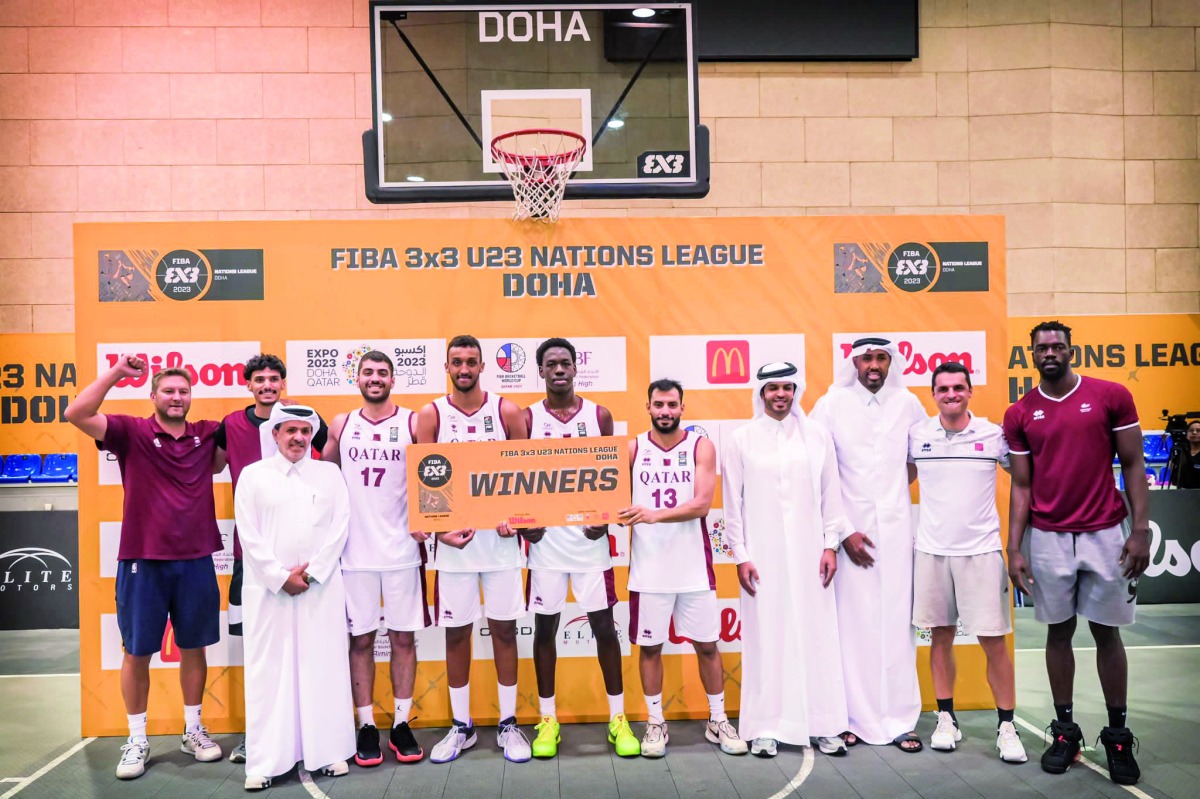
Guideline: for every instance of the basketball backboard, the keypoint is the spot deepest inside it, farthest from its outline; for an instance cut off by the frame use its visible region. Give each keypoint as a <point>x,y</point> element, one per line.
<point>449,78</point>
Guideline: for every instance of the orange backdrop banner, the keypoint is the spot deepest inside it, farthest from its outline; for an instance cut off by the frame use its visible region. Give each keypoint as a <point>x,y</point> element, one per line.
<point>37,380</point>
<point>704,301</point>
<point>526,483</point>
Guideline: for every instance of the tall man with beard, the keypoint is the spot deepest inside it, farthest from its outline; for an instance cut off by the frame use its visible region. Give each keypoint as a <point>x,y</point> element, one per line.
<point>242,439</point>
<point>467,560</point>
<point>1067,539</point>
<point>168,534</point>
<point>578,555</point>
<point>869,412</point>
<point>381,557</point>
<point>670,563</point>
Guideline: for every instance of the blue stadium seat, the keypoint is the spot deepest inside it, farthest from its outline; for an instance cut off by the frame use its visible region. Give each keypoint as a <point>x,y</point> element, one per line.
<point>19,468</point>
<point>1156,447</point>
<point>58,468</point>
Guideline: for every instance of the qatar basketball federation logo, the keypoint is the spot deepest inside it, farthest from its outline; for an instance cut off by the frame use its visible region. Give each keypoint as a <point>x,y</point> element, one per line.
<point>510,357</point>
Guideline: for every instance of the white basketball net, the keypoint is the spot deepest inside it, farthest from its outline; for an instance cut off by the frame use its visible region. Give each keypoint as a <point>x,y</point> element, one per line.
<point>538,164</point>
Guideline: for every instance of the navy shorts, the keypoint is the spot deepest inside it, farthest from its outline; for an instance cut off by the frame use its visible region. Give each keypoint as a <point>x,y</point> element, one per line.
<point>151,591</point>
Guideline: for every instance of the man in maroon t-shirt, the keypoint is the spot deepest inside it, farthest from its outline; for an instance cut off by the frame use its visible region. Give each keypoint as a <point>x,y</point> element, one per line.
<point>168,534</point>
<point>1077,558</point>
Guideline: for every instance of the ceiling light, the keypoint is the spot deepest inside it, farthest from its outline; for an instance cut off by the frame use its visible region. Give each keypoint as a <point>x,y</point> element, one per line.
<point>415,179</point>
<point>643,13</point>
<point>616,124</point>
<point>385,116</point>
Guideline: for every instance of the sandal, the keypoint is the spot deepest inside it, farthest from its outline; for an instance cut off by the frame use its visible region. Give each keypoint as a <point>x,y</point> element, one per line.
<point>849,738</point>
<point>908,738</point>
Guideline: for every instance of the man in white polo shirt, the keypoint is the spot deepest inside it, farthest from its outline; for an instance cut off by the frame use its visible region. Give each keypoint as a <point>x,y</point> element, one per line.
<point>959,573</point>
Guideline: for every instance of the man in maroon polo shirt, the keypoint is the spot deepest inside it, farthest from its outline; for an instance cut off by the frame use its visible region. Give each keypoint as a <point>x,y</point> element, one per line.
<point>168,534</point>
<point>1080,556</point>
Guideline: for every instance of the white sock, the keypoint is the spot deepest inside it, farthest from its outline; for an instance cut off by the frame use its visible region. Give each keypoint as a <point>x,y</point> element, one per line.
<point>460,703</point>
<point>616,705</point>
<point>191,717</point>
<point>716,707</point>
<point>366,715</point>
<point>654,709</point>
<point>137,726</point>
<point>546,706</point>
<point>403,710</point>
<point>508,701</point>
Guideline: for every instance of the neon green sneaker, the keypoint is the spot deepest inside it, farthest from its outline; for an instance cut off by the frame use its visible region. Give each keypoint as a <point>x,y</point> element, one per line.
<point>546,742</point>
<point>622,738</point>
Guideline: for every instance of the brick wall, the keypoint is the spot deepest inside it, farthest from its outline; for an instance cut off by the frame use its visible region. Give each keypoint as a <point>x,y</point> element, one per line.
<point>1076,119</point>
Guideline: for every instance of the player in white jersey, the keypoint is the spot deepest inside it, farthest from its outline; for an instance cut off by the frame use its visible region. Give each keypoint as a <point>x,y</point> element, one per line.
<point>670,562</point>
<point>381,557</point>
<point>578,555</point>
<point>468,559</point>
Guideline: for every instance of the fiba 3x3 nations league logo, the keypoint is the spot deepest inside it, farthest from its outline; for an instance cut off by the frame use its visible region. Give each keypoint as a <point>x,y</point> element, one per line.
<point>911,267</point>
<point>180,275</point>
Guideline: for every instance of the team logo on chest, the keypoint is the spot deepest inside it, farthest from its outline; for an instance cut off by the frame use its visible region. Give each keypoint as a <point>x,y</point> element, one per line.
<point>1085,407</point>
<point>1038,415</point>
<point>683,459</point>
<point>357,434</point>
<point>488,427</point>
<point>927,447</point>
<point>547,430</point>
<point>582,428</point>
<point>393,435</point>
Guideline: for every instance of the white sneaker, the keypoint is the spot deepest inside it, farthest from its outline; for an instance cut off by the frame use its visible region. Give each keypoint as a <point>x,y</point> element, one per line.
<point>764,747</point>
<point>654,741</point>
<point>460,738</point>
<point>134,756</point>
<point>197,744</point>
<point>514,743</point>
<point>256,783</point>
<point>1008,741</point>
<point>725,734</point>
<point>336,769</point>
<point>830,745</point>
<point>947,733</point>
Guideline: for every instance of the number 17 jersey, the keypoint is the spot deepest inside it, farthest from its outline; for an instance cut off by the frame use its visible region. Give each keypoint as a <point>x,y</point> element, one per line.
<point>668,557</point>
<point>373,466</point>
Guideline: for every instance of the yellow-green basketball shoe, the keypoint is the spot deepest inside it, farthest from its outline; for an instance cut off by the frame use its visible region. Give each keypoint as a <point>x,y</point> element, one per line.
<point>622,738</point>
<point>546,742</point>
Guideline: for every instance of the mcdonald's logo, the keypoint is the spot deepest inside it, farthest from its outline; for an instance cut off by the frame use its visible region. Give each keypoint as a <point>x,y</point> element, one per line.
<point>169,652</point>
<point>728,361</point>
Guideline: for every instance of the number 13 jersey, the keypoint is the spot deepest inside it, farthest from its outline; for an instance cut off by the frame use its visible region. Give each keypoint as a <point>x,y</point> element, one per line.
<point>669,557</point>
<point>373,466</point>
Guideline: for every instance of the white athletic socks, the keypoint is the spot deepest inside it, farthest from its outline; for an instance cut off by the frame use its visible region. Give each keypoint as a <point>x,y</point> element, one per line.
<point>716,707</point>
<point>137,726</point>
<point>616,705</point>
<point>366,715</point>
<point>654,711</point>
<point>460,703</point>
<point>403,709</point>
<point>191,718</point>
<point>508,701</point>
<point>546,706</point>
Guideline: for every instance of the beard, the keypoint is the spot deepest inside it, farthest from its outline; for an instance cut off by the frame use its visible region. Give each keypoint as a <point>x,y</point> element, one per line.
<point>669,426</point>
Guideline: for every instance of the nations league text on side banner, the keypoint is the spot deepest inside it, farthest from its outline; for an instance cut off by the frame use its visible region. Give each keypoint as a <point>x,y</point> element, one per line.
<point>704,301</point>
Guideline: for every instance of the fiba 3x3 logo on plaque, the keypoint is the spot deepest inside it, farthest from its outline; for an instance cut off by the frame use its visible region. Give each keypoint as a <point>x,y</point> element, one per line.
<point>434,473</point>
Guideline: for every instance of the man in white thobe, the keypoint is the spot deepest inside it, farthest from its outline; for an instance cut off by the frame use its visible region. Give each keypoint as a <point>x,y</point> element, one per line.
<point>784,523</point>
<point>868,412</point>
<point>292,515</point>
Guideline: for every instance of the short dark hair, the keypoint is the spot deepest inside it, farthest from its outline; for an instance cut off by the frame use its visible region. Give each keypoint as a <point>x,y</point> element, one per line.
<point>664,384</point>
<point>264,360</point>
<point>464,341</point>
<point>375,356</point>
<point>551,343</point>
<point>1189,425</point>
<point>1050,326</point>
<point>170,371</point>
<point>951,367</point>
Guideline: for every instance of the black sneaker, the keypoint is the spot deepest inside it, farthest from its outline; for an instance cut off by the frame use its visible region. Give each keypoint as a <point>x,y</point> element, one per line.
<point>368,753</point>
<point>404,744</point>
<point>1065,741</point>
<point>1119,745</point>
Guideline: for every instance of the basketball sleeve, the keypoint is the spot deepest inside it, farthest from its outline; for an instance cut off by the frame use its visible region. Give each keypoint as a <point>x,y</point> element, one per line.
<point>1122,412</point>
<point>220,438</point>
<point>1014,432</point>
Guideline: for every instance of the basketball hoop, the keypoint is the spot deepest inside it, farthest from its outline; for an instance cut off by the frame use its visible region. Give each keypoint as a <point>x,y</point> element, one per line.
<point>538,162</point>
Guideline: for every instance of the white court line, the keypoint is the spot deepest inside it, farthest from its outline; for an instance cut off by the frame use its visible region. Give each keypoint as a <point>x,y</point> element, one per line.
<point>1041,733</point>
<point>22,676</point>
<point>307,781</point>
<point>1127,649</point>
<point>20,786</point>
<point>795,782</point>
<point>13,779</point>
